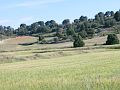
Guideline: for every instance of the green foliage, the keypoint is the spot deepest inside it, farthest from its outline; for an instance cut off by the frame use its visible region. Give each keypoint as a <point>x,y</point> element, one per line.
<point>112,39</point>
<point>78,42</point>
<point>66,22</point>
<point>6,31</point>
<point>100,18</point>
<point>110,22</point>
<point>22,30</point>
<point>83,26</point>
<point>90,32</point>
<point>83,18</point>
<point>95,25</point>
<point>70,30</point>
<point>60,33</point>
<point>41,38</point>
<point>83,34</point>
<point>41,23</point>
<point>117,16</point>
<point>116,29</point>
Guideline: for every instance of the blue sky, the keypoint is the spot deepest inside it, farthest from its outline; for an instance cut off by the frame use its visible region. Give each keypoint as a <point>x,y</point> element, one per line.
<point>15,12</point>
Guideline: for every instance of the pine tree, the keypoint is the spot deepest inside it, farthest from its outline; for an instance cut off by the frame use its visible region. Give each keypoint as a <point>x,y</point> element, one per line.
<point>78,42</point>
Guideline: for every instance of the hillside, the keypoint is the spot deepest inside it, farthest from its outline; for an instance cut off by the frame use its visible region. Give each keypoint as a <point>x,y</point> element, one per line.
<point>101,25</point>
<point>59,66</point>
<point>13,49</point>
<point>79,55</point>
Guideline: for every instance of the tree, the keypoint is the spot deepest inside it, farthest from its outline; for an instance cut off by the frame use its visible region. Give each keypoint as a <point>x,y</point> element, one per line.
<point>97,18</point>
<point>101,14</point>
<point>83,18</point>
<point>34,27</point>
<point>78,42</point>
<point>112,39</point>
<point>90,32</point>
<point>53,24</point>
<point>82,27</point>
<point>70,30</point>
<point>87,25</point>
<point>9,31</point>
<point>40,38</point>
<point>100,17</point>
<point>66,22</point>
<point>117,16</point>
<point>42,29</point>
<point>112,13</point>
<point>110,22</point>
<point>83,34</point>
<point>76,21</point>
<point>108,14</point>
<point>22,30</point>
<point>41,23</point>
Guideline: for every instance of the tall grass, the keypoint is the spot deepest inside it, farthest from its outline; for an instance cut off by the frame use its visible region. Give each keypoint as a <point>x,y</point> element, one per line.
<point>90,71</point>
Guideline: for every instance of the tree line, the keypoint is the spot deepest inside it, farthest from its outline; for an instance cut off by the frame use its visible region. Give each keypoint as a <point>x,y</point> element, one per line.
<point>83,27</point>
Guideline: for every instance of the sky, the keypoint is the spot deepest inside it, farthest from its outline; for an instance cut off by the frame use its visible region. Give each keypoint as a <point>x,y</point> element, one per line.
<point>15,12</point>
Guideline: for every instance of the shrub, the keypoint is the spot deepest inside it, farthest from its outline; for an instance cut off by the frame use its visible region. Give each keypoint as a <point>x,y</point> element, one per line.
<point>112,39</point>
<point>41,38</point>
<point>78,42</point>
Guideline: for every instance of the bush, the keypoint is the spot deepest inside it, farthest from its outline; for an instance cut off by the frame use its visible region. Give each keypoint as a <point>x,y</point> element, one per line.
<point>41,38</point>
<point>112,39</point>
<point>78,42</point>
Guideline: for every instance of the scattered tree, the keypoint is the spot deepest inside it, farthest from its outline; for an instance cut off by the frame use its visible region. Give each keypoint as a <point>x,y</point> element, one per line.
<point>83,26</point>
<point>112,39</point>
<point>78,42</point>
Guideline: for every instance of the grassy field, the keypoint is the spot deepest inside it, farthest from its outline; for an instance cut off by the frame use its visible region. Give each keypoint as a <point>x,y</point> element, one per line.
<point>98,70</point>
<point>58,66</point>
<point>12,44</point>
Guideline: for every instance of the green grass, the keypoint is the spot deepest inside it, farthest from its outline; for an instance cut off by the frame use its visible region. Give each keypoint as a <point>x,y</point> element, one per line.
<point>86,71</point>
<point>59,67</point>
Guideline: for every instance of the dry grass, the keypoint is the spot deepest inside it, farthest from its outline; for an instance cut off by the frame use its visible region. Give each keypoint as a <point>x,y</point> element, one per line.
<point>11,44</point>
<point>20,40</point>
<point>13,52</point>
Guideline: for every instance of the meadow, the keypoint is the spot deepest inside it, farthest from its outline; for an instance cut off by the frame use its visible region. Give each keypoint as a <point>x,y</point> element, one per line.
<point>60,67</point>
